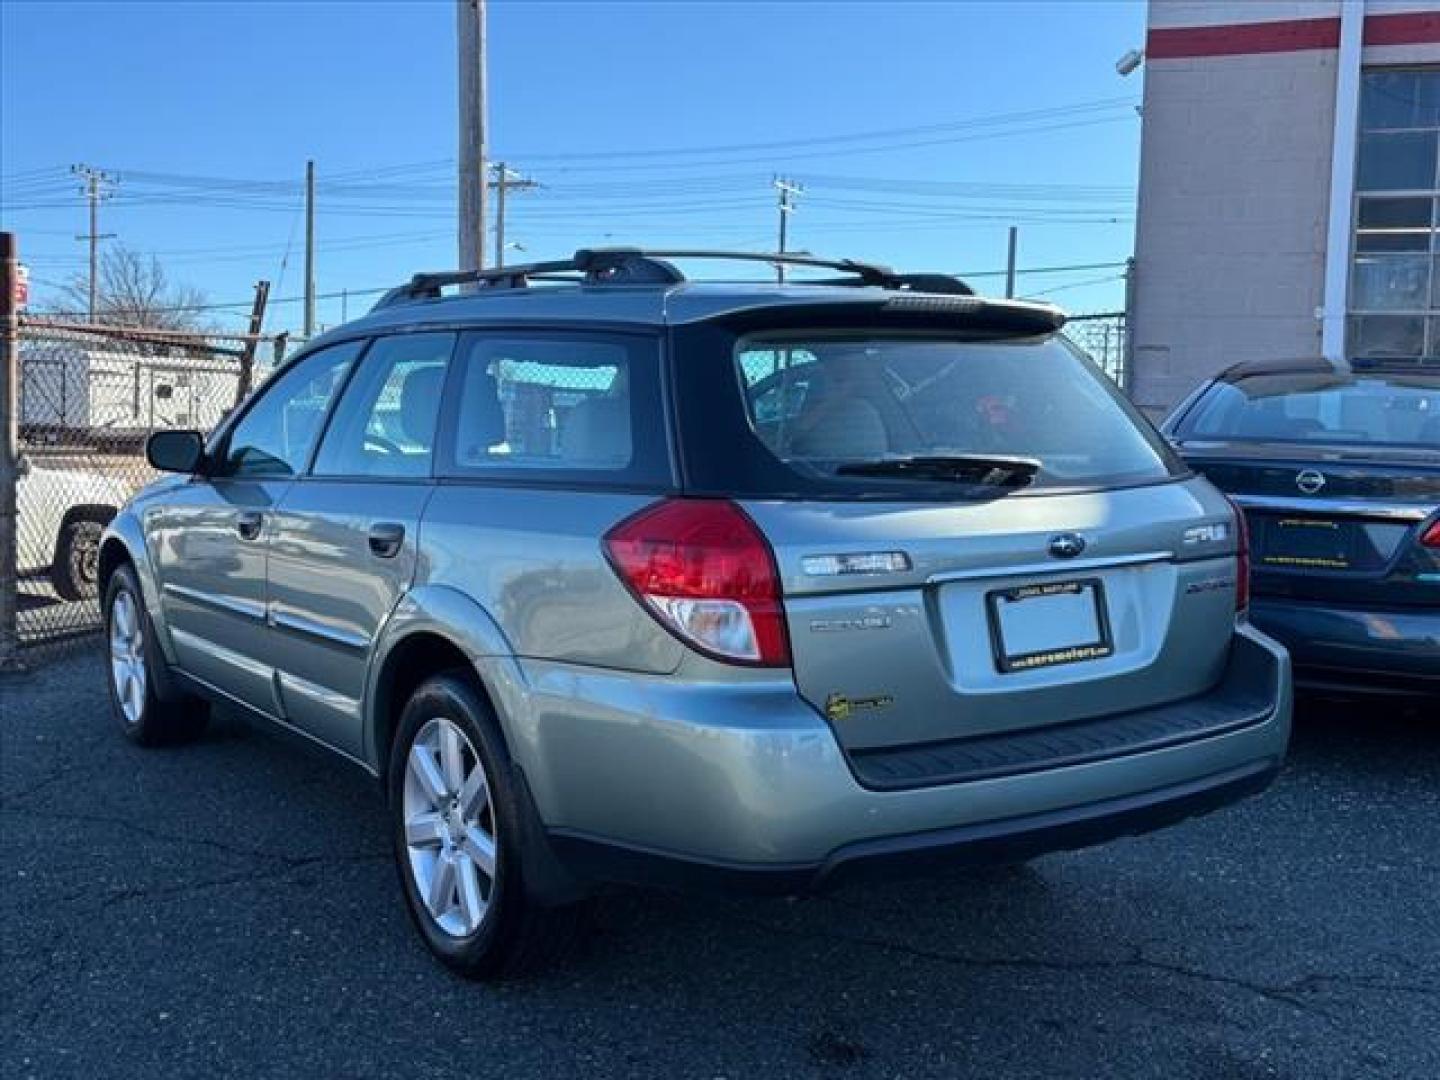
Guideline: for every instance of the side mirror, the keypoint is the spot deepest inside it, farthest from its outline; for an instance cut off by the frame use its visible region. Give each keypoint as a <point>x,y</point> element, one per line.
<point>175,451</point>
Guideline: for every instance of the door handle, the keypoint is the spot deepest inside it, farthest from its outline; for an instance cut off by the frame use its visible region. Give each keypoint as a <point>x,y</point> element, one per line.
<point>386,538</point>
<point>249,523</point>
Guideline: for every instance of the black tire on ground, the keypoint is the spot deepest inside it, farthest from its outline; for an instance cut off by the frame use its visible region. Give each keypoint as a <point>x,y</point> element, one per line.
<point>517,936</point>
<point>165,716</point>
<point>75,572</point>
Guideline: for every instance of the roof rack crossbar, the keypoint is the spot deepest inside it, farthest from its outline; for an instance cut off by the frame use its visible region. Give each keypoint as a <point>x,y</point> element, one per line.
<point>871,273</point>
<point>646,266</point>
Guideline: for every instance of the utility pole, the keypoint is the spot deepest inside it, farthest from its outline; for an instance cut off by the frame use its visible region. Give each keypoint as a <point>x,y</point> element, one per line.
<point>1010,263</point>
<point>96,187</point>
<point>505,179</point>
<point>309,249</point>
<point>786,190</point>
<point>470,33</point>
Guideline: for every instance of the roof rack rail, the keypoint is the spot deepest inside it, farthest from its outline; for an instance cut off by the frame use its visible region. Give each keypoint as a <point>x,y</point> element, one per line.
<point>645,266</point>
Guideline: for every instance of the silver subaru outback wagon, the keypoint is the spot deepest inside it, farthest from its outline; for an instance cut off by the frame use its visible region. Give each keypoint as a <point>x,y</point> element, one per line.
<point>613,577</point>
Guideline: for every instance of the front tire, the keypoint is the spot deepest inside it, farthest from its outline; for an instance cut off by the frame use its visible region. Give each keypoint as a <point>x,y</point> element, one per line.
<point>137,672</point>
<point>456,825</point>
<point>75,571</point>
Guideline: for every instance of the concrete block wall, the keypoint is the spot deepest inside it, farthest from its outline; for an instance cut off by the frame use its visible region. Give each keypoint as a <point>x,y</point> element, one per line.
<point>1234,196</point>
<point>1230,236</point>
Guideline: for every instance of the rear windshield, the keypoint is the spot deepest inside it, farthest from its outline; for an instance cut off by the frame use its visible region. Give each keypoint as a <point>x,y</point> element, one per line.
<point>892,411</point>
<point>1329,407</point>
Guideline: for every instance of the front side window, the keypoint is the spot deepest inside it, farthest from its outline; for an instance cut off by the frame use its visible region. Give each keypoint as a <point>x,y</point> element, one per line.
<point>384,425</point>
<point>873,408</point>
<point>1331,407</point>
<point>276,434</point>
<point>558,405</point>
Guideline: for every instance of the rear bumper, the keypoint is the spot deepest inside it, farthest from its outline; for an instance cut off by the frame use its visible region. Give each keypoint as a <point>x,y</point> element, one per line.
<point>1340,648</point>
<point>639,779</point>
<point>593,859</point>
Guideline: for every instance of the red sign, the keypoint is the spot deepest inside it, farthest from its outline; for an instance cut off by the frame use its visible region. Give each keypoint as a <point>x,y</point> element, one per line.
<point>22,286</point>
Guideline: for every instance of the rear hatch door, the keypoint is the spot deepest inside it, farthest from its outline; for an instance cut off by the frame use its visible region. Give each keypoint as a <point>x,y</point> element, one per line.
<point>976,533</point>
<point>987,623</point>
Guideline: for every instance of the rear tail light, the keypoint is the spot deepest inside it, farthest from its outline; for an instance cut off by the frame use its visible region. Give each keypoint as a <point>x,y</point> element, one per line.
<point>1242,559</point>
<point>704,570</point>
<point>1431,537</point>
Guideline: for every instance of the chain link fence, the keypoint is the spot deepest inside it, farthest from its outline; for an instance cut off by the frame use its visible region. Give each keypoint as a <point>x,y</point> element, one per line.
<point>1102,337</point>
<point>86,399</point>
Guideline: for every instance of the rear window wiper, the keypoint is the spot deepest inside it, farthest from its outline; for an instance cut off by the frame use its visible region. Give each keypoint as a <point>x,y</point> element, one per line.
<point>972,469</point>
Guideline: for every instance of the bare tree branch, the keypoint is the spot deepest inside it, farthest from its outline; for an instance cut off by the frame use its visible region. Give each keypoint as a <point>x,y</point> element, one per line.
<point>135,291</point>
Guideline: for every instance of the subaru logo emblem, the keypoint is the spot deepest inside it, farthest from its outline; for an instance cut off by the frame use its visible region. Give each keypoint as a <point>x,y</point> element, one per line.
<point>1067,545</point>
<point>1309,481</point>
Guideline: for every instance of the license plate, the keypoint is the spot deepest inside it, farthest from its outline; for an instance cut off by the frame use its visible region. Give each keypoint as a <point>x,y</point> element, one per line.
<point>1309,542</point>
<point>1061,622</point>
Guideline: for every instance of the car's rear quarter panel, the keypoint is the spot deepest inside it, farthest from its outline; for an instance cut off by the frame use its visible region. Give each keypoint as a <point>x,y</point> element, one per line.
<point>533,559</point>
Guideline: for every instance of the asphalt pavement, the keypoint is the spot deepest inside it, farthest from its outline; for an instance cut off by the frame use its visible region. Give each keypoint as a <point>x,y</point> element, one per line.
<point>230,909</point>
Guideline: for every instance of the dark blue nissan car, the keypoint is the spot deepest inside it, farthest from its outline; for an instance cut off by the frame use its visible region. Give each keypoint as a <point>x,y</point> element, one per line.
<point>1338,471</point>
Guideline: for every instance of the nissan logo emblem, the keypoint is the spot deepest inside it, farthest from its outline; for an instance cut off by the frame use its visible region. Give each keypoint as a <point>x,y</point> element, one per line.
<point>1309,481</point>
<point>1067,545</point>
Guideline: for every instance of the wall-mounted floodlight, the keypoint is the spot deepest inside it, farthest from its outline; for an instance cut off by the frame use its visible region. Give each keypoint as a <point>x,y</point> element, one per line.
<point>1129,62</point>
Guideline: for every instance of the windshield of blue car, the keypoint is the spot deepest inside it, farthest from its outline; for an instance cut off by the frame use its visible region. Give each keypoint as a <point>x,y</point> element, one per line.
<point>1338,408</point>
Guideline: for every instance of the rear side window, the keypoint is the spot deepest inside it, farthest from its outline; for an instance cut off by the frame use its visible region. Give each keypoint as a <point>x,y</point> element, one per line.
<point>1326,407</point>
<point>845,408</point>
<point>580,408</point>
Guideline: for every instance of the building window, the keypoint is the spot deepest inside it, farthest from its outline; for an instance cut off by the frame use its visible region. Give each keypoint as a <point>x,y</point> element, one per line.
<point>1395,276</point>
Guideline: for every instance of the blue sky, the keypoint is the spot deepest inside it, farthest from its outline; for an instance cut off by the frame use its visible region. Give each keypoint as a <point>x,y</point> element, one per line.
<point>919,130</point>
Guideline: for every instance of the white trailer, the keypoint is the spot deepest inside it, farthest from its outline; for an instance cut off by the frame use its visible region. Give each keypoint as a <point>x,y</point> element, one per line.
<point>73,389</point>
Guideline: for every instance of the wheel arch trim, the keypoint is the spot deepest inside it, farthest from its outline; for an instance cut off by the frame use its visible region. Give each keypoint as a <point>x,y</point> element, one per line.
<point>447,613</point>
<point>124,537</point>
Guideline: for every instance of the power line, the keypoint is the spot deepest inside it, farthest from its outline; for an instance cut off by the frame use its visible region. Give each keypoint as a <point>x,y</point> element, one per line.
<point>1034,121</point>
<point>1043,270</point>
<point>992,120</point>
<point>184,308</point>
<point>444,165</point>
<point>774,158</point>
<point>1079,284</point>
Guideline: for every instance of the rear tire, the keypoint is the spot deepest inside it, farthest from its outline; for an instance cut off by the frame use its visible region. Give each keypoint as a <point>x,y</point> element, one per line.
<point>456,820</point>
<point>75,572</point>
<point>138,673</point>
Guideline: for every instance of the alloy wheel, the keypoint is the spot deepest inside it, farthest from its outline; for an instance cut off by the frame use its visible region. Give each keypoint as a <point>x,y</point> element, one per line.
<point>127,656</point>
<point>450,828</point>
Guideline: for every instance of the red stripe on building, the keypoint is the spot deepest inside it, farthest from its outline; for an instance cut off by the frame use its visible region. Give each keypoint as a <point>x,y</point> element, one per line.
<point>1290,35</point>
<point>1238,39</point>
<point>1409,28</point>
